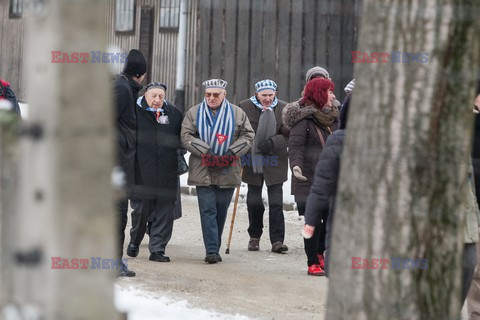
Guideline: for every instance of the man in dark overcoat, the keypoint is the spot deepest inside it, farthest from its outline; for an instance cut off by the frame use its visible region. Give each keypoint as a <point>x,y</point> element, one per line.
<point>155,191</point>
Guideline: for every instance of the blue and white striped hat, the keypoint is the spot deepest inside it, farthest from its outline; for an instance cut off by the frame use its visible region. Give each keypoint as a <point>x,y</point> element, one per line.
<point>265,84</point>
<point>215,83</point>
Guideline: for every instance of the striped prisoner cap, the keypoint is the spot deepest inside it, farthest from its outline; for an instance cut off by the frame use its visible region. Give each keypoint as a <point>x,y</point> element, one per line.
<point>265,84</point>
<point>215,83</point>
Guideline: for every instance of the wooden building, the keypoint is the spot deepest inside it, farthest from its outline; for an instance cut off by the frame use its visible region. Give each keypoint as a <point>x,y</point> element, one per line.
<point>241,41</point>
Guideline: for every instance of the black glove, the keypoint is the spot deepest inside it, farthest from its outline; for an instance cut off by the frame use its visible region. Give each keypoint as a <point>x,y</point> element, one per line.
<point>211,155</point>
<point>266,146</point>
<point>229,153</point>
<point>229,157</point>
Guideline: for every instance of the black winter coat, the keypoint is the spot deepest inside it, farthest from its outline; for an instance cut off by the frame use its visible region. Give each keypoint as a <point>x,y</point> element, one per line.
<point>476,156</point>
<point>6,92</point>
<point>156,155</point>
<point>304,146</point>
<point>324,188</point>
<point>125,96</point>
<point>276,171</point>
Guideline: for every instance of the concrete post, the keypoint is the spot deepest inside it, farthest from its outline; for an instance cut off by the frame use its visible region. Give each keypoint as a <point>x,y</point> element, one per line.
<point>65,205</point>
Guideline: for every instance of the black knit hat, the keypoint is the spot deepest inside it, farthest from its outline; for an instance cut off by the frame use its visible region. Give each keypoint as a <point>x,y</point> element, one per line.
<point>136,65</point>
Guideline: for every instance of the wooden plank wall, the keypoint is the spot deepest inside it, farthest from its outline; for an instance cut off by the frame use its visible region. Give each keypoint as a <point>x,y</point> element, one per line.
<point>12,50</point>
<point>164,48</point>
<point>243,41</point>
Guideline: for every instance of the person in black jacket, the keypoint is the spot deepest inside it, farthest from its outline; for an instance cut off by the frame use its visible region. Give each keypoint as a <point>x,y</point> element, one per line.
<point>322,193</point>
<point>126,88</point>
<point>7,93</point>
<point>158,139</point>
<point>473,298</point>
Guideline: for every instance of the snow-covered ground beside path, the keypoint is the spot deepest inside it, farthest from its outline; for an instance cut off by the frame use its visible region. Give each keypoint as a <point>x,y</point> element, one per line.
<point>144,305</point>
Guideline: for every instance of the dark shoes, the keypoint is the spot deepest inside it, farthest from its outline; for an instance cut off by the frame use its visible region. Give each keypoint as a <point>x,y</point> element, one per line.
<point>159,257</point>
<point>132,250</point>
<point>124,272</point>
<point>213,258</point>
<point>279,247</point>
<point>254,244</point>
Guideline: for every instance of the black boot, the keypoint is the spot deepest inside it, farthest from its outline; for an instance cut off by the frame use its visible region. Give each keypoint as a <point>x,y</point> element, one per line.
<point>123,271</point>
<point>133,250</point>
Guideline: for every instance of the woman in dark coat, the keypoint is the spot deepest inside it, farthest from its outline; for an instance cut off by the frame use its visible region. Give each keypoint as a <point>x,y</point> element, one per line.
<point>324,188</point>
<point>310,120</point>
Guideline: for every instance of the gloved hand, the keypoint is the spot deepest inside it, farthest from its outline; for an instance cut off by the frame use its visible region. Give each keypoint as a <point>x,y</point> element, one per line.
<point>297,173</point>
<point>211,155</point>
<point>229,153</point>
<point>230,157</point>
<point>307,231</point>
<point>266,146</point>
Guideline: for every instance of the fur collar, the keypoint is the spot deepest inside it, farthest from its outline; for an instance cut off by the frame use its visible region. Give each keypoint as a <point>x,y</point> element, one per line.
<point>294,112</point>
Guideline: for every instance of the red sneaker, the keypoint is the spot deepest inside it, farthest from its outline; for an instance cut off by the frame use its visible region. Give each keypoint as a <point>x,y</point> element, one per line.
<point>321,261</point>
<point>315,270</point>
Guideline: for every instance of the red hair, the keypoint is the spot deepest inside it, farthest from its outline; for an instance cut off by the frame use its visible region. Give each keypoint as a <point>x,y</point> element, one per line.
<point>316,91</point>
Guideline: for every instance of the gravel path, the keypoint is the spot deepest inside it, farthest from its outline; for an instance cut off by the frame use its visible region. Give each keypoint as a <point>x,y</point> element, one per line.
<point>260,285</point>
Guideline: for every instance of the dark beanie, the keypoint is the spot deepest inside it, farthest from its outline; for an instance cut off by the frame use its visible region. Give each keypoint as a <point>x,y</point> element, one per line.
<point>136,65</point>
<point>344,112</point>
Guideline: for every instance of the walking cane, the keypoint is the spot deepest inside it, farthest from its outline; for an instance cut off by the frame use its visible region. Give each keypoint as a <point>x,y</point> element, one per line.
<point>233,220</point>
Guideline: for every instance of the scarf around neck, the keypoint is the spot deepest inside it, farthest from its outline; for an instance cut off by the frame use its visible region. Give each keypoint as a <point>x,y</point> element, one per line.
<point>142,103</point>
<point>326,119</point>
<point>216,130</point>
<point>259,105</point>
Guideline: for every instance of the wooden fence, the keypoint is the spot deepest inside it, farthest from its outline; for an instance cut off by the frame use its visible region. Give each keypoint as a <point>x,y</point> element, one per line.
<point>243,41</point>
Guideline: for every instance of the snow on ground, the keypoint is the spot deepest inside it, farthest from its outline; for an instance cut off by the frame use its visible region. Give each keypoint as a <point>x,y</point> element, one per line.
<point>144,305</point>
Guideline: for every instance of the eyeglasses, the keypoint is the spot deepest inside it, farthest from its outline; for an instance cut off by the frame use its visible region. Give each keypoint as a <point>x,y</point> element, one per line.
<point>215,94</point>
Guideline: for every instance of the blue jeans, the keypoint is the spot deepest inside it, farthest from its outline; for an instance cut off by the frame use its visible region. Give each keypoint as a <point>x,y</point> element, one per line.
<point>213,203</point>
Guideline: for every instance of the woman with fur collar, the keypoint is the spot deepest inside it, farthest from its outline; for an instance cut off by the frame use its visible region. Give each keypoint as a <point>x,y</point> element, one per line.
<point>310,120</point>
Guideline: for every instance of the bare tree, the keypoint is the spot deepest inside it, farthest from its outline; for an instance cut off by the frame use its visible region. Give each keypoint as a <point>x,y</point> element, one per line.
<point>404,167</point>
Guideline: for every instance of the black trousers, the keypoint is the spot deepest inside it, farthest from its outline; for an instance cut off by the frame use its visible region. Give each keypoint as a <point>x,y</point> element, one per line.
<point>316,244</point>
<point>256,210</point>
<point>158,214</point>
<point>139,222</point>
<point>122,218</point>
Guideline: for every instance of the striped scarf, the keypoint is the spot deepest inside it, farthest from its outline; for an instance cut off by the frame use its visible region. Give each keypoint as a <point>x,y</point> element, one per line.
<point>259,105</point>
<point>216,130</point>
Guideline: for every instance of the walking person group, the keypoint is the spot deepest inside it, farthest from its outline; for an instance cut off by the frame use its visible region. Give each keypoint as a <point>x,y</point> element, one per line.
<point>151,131</point>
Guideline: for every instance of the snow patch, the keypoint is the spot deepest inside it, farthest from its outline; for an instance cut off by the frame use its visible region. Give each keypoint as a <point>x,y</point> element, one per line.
<point>145,305</point>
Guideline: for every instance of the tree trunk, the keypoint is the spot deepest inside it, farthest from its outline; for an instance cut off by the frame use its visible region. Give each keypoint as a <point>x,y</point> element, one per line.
<point>404,168</point>
<point>9,123</point>
<point>66,199</point>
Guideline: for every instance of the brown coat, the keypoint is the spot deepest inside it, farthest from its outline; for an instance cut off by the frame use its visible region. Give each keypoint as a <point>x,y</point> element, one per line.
<point>276,171</point>
<point>200,175</point>
<point>304,146</point>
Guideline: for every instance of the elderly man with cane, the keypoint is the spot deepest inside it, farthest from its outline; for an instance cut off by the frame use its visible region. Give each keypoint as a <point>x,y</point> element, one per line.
<point>269,164</point>
<point>216,133</point>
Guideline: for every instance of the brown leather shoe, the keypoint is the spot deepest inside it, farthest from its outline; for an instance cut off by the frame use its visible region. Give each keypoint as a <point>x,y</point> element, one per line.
<point>279,247</point>
<point>254,244</point>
